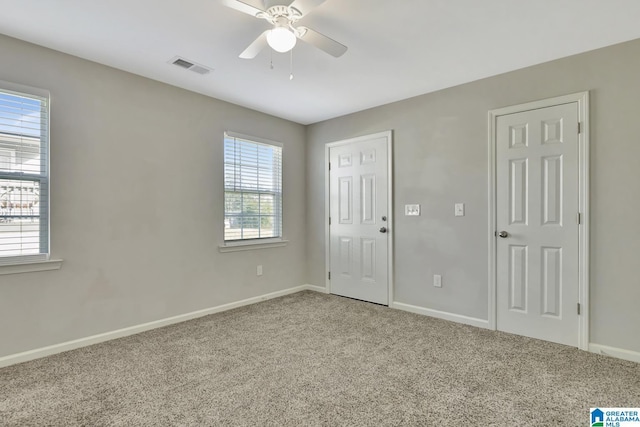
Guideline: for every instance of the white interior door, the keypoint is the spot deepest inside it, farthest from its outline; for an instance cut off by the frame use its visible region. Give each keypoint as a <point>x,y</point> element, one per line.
<point>359,219</point>
<point>537,223</point>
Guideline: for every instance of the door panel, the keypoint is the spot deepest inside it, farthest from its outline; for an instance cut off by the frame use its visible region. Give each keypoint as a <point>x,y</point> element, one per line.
<point>346,256</point>
<point>537,206</point>
<point>551,281</point>
<point>368,261</point>
<point>552,189</point>
<point>519,191</point>
<point>357,203</point>
<point>345,186</point>
<point>368,199</point>
<point>518,278</point>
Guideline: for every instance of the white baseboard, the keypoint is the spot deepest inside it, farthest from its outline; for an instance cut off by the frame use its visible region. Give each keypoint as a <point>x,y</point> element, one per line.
<point>620,353</point>
<point>26,356</point>
<point>95,339</point>
<point>315,288</point>
<point>480,323</point>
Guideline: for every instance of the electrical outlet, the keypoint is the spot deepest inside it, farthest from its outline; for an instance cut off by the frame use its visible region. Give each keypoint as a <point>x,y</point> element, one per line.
<point>437,280</point>
<point>259,271</point>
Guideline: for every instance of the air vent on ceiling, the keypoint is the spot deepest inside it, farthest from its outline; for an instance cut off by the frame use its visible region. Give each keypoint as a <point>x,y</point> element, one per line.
<point>200,70</point>
<point>190,65</point>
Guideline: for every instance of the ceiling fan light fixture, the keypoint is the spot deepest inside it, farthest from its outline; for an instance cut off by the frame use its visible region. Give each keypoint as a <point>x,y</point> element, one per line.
<point>281,39</point>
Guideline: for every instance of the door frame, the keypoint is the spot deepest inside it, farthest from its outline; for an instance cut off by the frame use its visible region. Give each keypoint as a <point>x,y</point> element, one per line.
<point>582,99</point>
<point>327,232</point>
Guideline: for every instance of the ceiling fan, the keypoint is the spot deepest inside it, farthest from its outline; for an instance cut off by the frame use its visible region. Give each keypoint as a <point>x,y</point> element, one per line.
<point>283,14</point>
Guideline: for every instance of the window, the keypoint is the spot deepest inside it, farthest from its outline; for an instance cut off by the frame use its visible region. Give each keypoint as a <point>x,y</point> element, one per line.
<point>24,174</point>
<point>252,189</point>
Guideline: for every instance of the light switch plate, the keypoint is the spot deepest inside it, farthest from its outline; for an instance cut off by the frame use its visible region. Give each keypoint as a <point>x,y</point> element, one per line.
<point>437,280</point>
<point>412,210</point>
<point>459,209</point>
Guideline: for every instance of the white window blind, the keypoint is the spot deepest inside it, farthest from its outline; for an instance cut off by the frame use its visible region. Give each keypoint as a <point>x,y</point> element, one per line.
<point>24,174</point>
<point>252,189</point>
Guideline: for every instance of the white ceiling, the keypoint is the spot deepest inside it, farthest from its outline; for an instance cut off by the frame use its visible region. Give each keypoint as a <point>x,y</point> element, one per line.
<point>397,49</point>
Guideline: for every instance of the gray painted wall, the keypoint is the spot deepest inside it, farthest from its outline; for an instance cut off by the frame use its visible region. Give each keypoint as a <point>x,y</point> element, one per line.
<point>137,210</point>
<point>441,155</point>
<point>130,257</point>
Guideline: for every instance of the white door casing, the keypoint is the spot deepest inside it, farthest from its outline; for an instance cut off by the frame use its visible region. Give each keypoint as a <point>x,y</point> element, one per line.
<point>359,218</point>
<point>538,271</point>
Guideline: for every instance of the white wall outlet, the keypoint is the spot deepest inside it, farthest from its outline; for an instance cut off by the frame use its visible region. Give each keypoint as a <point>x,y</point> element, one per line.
<point>459,209</point>
<point>259,271</point>
<point>411,210</point>
<point>437,280</point>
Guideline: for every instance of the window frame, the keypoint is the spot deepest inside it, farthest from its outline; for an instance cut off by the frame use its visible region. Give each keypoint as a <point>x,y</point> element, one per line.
<point>41,261</point>
<point>253,243</point>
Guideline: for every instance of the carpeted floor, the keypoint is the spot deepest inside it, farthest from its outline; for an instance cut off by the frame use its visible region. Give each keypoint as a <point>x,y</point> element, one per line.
<point>314,359</point>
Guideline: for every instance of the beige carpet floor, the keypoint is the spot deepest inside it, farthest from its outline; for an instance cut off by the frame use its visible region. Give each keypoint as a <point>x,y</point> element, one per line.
<point>317,360</point>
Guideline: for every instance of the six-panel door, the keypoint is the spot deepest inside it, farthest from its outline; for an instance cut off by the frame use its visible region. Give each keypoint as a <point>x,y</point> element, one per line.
<point>357,205</point>
<point>537,207</point>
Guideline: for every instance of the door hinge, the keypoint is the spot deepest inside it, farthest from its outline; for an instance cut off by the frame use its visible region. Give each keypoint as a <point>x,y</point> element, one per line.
<point>329,275</point>
<point>579,127</point>
<point>329,220</point>
<point>579,218</point>
<point>329,165</point>
<point>578,308</point>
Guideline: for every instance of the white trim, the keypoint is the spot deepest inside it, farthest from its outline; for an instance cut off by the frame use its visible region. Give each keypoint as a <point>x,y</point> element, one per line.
<point>327,232</point>
<point>315,288</point>
<point>278,241</point>
<point>107,336</point>
<point>244,245</point>
<point>251,138</point>
<point>492,294</point>
<point>29,267</point>
<point>619,353</point>
<point>23,259</point>
<point>120,333</point>
<point>25,90</point>
<point>38,261</point>
<point>390,253</point>
<point>452,317</point>
<point>327,214</point>
<point>584,237</point>
<point>582,99</point>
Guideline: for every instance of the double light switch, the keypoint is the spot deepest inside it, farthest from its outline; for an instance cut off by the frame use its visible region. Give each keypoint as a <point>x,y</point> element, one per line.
<point>412,210</point>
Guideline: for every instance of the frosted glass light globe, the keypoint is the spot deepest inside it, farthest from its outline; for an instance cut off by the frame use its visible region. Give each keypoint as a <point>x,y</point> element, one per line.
<point>281,39</point>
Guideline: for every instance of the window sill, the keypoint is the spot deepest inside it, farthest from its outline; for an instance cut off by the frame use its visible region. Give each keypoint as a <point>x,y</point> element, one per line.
<point>249,246</point>
<point>30,267</point>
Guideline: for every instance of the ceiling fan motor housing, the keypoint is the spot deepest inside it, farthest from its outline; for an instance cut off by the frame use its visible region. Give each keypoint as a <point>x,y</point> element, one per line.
<point>276,14</point>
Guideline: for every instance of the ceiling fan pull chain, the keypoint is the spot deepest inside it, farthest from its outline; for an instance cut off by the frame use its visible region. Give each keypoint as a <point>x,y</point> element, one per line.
<point>291,66</point>
<point>271,52</point>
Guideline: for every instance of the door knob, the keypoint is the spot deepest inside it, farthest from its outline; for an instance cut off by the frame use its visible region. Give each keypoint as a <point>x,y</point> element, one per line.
<point>503,234</point>
<point>383,229</point>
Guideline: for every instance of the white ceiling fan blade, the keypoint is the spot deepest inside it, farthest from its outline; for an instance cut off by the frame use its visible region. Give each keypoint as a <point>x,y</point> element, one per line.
<point>304,6</point>
<point>321,41</point>
<point>245,6</point>
<point>254,48</point>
